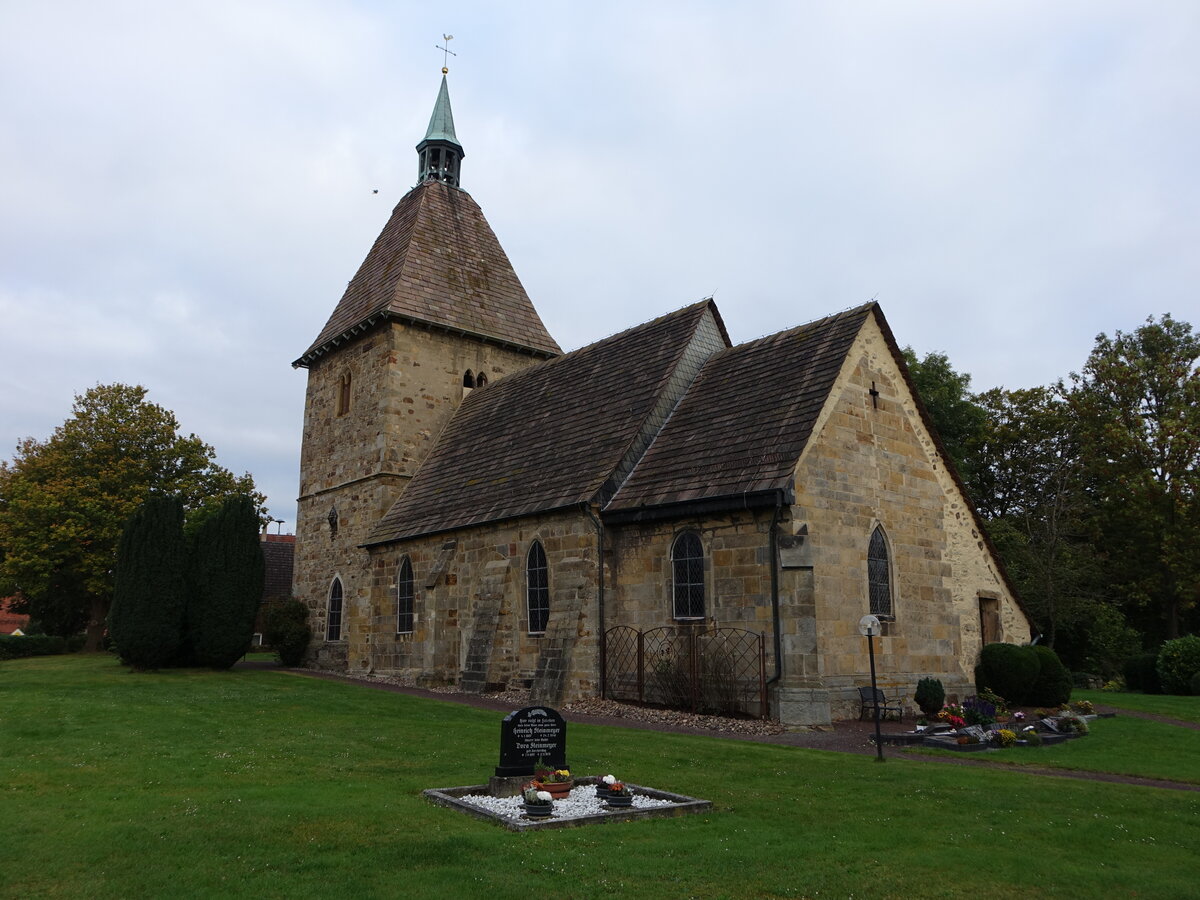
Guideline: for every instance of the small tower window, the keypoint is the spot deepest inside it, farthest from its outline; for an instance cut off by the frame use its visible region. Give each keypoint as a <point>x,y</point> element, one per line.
<point>404,598</point>
<point>468,379</point>
<point>333,623</point>
<point>879,575</point>
<point>687,576</point>
<point>537,588</point>
<point>481,380</point>
<point>343,401</point>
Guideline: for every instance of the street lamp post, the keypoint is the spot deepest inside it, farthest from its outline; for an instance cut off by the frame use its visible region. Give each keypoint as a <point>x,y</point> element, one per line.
<point>868,626</point>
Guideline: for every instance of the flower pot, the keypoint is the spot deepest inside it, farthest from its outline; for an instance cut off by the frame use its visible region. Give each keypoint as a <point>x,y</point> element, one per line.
<point>538,811</point>
<point>619,802</point>
<point>602,792</point>
<point>557,789</point>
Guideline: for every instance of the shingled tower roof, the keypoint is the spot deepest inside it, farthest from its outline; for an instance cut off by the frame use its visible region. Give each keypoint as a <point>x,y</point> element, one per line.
<point>438,263</point>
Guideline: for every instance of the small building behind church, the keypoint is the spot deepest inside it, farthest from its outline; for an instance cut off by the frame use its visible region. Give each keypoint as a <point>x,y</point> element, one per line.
<point>661,513</point>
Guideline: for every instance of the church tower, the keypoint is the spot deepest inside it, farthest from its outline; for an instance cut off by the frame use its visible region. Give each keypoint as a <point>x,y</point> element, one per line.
<point>434,311</point>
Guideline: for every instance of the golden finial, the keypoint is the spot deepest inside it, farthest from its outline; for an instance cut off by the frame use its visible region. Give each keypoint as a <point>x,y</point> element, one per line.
<point>446,52</point>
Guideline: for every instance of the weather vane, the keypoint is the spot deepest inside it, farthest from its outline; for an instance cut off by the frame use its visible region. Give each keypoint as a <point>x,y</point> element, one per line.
<point>446,52</point>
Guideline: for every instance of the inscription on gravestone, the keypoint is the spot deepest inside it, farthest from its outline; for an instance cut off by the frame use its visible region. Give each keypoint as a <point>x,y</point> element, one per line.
<point>531,734</point>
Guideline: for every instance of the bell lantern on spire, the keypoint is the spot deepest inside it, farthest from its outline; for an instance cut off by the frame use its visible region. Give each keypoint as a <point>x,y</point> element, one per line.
<point>440,153</point>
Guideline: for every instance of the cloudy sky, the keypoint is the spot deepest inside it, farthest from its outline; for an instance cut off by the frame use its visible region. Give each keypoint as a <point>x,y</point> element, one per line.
<point>186,187</point>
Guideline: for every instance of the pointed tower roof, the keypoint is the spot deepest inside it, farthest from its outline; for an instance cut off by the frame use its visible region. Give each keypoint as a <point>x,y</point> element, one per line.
<point>437,263</point>
<point>441,123</point>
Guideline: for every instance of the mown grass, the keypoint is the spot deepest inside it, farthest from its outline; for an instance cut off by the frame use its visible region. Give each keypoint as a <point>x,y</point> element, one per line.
<point>1186,709</point>
<point>260,783</point>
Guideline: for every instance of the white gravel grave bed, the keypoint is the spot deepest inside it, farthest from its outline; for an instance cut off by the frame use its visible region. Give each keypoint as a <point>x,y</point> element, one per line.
<point>580,807</point>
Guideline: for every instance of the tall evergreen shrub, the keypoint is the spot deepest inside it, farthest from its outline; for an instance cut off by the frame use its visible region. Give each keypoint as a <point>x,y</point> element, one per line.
<point>930,696</point>
<point>146,619</point>
<point>1008,670</point>
<point>227,582</point>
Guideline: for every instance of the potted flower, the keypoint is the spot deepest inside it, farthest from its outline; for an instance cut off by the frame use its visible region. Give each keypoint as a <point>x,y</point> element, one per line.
<point>604,786</point>
<point>557,781</point>
<point>537,804</point>
<point>922,724</point>
<point>619,794</point>
<point>952,714</point>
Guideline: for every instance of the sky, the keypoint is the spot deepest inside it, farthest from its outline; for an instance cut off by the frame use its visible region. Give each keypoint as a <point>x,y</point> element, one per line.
<point>187,187</point>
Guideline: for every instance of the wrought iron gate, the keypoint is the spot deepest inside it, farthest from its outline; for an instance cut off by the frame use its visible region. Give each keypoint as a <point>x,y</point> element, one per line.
<point>709,670</point>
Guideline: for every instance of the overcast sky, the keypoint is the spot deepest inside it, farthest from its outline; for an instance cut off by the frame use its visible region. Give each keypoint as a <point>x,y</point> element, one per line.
<point>186,187</point>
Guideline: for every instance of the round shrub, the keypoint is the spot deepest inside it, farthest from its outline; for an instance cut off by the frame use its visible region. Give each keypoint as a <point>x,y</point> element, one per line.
<point>1008,670</point>
<point>1053,684</point>
<point>1141,673</point>
<point>1178,661</point>
<point>930,696</point>
<point>287,630</point>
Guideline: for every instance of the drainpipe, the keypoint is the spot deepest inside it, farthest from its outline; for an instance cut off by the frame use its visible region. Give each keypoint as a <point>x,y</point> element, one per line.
<point>587,508</point>
<point>774,546</point>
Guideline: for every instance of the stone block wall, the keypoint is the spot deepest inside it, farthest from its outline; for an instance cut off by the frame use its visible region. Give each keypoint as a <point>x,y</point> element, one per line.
<point>405,383</point>
<point>471,612</point>
<point>872,463</point>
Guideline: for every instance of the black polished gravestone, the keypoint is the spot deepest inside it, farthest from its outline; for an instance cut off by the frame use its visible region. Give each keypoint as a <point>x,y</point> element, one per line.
<point>529,736</point>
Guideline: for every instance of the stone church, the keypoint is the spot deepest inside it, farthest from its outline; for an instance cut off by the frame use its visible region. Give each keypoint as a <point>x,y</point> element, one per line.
<point>479,508</point>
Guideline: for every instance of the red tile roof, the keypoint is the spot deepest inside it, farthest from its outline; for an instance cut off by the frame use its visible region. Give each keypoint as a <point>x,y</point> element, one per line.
<point>10,621</point>
<point>437,262</point>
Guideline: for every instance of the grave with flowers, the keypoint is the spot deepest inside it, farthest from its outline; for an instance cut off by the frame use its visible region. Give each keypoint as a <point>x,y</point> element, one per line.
<point>533,787</point>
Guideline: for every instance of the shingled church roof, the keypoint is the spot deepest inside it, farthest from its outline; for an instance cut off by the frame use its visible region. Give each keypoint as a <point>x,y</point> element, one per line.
<point>558,434</point>
<point>746,419</point>
<point>438,263</point>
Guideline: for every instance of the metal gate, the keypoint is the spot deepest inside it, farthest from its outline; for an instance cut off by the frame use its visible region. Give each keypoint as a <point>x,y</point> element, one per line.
<point>705,670</point>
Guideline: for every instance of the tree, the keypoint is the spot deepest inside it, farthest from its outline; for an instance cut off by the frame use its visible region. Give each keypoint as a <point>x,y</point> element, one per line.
<point>1137,404</point>
<point>64,501</point>
<point>226,584</point>
<point>149,594</point>
<point>956,416</point>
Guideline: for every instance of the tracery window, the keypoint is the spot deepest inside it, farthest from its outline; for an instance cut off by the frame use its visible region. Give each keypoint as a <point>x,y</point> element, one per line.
<point>333,622</point>
<point>879,575</point>
<point>687,576</point>
<point>537,588</point>
<point>404,598</point>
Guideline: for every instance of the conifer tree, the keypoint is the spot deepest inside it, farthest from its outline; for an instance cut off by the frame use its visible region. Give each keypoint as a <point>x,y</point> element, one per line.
<point>149,591</point>
<point>227,583</point>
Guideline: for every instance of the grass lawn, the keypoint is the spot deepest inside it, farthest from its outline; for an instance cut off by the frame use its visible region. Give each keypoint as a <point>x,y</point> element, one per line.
<point>1186,709</point>
<point>265,784</point>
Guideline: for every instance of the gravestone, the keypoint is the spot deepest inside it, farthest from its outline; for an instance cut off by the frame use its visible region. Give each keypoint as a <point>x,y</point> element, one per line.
<point>530,735</point>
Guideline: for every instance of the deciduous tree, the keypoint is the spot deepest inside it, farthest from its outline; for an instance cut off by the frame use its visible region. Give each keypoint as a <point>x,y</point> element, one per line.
<point>64,501</point>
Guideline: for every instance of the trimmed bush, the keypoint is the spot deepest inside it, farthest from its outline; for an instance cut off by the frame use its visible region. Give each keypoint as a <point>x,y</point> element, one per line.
<point>21,646</point>
<point>1196,684</point>
<point>930,696</point>
<point>1008,670</point>
<point>1053,684</point>
<point>149,593</point>
<point>1141,674</point>
<point>287,630</point>
<point>227,580</point>
<point>1178,661</point>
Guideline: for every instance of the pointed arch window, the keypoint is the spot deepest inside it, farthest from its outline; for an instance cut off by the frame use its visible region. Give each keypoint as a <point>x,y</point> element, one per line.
<point>879,574</point>
<point>481,380</point>
<point>404,598</point>
<point>537,588</point>
<point>687,576</point>
<point>468,379</point>
<point>333,622</point>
